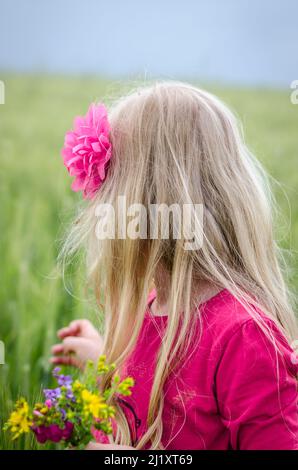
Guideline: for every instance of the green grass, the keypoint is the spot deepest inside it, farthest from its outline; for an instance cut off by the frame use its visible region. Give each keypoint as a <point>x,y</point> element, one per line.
<point>36,203</point>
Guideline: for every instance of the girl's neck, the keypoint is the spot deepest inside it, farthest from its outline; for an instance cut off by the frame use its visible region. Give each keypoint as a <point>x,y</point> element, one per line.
<point>204,291</point>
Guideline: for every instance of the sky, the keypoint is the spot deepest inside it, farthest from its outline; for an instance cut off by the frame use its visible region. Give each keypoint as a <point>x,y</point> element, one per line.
<point>251,42</point>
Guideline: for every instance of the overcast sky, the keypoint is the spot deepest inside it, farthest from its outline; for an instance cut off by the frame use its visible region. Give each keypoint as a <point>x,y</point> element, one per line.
<point>242,41</point>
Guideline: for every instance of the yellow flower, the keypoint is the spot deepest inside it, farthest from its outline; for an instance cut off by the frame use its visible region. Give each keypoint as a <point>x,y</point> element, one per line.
<point>94,405</point>
<point>102,367</point>
<point>19,421</point>
<point>77,385</point>
<point>125,386</point>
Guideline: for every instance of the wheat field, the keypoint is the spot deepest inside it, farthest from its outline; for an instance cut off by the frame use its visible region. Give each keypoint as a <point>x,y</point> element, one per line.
<point>37,203</point>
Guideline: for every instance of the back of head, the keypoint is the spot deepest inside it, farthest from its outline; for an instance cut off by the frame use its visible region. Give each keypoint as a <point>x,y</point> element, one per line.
<point>176,144</point>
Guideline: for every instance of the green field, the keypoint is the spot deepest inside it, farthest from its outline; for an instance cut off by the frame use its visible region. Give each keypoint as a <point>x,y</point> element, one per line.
<point>36,203</point>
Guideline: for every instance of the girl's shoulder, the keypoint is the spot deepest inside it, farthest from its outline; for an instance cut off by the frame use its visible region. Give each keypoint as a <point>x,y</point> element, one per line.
<point>224,321</point>
<point>230,325</point>
<point>224,314</point>
<point>254,372</point>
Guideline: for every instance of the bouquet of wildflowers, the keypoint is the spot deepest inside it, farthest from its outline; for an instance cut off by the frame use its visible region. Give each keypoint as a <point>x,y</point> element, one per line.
<point>73,410</point>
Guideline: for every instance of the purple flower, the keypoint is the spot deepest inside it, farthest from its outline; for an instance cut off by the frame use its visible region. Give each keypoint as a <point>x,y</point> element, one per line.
<point>56,372</point>
<point>52,394</point>
<point>69,394</point>
<point>53,432</point>
<point>63,380</point>
<point>67,431</point>
<point>40,433</point>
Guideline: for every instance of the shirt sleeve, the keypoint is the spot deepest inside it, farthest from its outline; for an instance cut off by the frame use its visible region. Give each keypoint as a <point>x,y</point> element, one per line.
<point>256,389</point>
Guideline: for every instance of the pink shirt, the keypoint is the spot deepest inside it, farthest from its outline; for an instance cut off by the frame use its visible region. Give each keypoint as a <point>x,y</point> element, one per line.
<point>227,395</point>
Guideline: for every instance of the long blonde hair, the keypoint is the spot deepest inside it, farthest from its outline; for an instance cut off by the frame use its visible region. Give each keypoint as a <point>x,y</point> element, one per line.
<point>173,142</point>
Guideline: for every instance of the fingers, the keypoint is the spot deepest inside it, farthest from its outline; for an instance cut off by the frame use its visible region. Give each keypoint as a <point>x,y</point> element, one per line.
<point>65,353</point>
<point>95,446</point>
<point>73,329</point>
<point>70,344</point>
<point>80,342</point>
<point>73,351</point>
<point>63,356</point>
<point>87,329</point>
<point>78,328</point>
<point>67,361</point>
<point>57,349</point>
<point>98,446</point>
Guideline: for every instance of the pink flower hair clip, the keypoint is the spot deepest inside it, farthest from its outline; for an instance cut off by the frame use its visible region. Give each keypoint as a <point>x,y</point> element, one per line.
<point>87,150</point>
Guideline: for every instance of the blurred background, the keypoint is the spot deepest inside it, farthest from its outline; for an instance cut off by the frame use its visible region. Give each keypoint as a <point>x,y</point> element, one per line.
<point>56,56</point>
<point>233,41</point>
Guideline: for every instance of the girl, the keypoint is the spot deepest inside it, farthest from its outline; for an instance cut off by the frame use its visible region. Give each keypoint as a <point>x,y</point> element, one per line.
<point>209,347</point>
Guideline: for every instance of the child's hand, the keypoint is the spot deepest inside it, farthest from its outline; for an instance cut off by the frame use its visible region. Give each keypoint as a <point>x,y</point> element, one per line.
<point>107,447</point>
<point>80,342</point>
